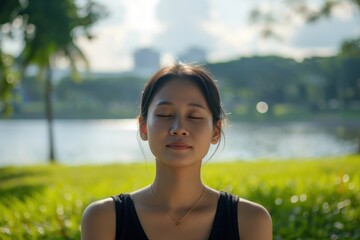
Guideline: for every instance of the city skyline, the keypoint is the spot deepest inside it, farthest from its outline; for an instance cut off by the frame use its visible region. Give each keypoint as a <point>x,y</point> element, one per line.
<point>222,29</point>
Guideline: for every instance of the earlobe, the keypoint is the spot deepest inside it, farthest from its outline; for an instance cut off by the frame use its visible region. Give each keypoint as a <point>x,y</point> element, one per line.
<point>215,138</point>
<point>143,129</point>
<point>216,133</point>
<point>143,136</point>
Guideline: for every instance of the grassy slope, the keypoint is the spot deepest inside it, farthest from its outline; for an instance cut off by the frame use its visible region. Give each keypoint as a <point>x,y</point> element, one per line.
<point>308,199</point>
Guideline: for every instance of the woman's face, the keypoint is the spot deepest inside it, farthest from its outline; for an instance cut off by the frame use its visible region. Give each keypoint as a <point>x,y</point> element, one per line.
<point>179,126</point>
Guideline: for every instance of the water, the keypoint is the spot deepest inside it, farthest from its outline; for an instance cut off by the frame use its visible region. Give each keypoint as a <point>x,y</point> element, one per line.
<point>24,142</point>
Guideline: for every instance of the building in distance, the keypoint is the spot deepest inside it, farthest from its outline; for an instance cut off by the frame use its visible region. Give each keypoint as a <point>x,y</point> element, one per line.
<point>193,55</point>
<point>146,61</point>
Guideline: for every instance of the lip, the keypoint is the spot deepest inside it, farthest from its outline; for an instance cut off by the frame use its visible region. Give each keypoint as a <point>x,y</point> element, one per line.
<point>178,146</point>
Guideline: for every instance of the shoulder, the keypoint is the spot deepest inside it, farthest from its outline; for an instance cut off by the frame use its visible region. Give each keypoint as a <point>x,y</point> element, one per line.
<point>98,221</point>
<point>254,221</point>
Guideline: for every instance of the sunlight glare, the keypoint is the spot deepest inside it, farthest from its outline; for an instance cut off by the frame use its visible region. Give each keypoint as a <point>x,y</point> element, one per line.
<point>262,107</point>
<point>141,16</point>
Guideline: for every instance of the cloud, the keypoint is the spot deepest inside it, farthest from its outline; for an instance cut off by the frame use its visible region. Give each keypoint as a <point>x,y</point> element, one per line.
<point>236,37</point>
<point>326,33</point>
<point>220,27</point>
<point>106,50</point>
<point>130,25</point>
<point>140,16</point>
<point>182,22</point>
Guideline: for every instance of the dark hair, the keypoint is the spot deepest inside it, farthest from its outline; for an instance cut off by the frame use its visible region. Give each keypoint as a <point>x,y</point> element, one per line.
<point>196,74</point>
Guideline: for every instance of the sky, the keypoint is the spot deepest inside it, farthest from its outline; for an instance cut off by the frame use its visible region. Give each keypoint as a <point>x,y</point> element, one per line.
<point>222,28</point>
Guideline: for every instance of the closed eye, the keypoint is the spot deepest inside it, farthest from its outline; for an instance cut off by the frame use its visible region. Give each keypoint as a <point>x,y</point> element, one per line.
<point>163,115</point>
<point>194,117</point>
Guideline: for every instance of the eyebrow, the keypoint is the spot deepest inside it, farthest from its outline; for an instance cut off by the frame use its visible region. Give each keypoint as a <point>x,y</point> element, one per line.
<point>162,103</point>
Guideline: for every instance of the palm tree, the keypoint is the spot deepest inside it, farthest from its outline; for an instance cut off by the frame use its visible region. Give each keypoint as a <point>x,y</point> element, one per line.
<point>50,29</point>
<point>8,78</point>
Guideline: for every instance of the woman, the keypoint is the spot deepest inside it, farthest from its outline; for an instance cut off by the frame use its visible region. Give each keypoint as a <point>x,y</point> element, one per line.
<point>180,117</point>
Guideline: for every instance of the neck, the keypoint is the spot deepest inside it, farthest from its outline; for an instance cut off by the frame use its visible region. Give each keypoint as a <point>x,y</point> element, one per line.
<point>172,212</point>
<point>177,187</point>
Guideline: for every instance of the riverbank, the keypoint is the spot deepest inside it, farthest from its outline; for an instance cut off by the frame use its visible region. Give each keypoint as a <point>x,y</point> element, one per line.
<point>46,201</point>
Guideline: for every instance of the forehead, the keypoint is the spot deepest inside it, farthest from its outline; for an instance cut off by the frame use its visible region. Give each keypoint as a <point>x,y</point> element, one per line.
<point>179,90</point>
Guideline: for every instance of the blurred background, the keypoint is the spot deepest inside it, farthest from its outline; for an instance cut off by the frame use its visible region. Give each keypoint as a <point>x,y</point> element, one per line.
<point>72,73</point>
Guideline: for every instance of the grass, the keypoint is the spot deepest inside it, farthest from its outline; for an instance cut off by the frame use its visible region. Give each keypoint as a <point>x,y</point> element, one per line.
<point>308,199</point>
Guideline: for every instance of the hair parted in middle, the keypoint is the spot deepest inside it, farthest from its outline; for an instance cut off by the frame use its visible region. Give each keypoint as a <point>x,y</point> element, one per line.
<point>194,73</point>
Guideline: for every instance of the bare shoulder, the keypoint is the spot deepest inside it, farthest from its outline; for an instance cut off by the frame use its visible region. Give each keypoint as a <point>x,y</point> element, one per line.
<point>98,221</point>
<point>254,221</point>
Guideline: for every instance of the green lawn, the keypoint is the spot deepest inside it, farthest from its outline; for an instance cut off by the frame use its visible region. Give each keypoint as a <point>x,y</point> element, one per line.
<point>308,199</point>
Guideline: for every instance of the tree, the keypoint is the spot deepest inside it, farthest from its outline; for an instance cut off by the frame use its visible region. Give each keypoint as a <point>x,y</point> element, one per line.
<point>8,77</point>
<point>351,48</point>
<point>289,11</point>
<point>49,30</point>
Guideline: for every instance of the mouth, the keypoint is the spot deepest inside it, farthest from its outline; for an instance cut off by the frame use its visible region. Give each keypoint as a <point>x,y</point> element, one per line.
<point>178,146</point>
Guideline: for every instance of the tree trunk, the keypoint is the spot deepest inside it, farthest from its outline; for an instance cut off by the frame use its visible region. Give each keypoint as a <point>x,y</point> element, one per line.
<point>49,113</point>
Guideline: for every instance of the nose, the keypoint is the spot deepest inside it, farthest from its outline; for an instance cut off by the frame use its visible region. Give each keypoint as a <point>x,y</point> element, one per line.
<point>178,129</point>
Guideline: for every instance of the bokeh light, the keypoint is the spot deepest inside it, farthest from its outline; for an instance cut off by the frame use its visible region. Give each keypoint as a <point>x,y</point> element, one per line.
<point>262,107</point>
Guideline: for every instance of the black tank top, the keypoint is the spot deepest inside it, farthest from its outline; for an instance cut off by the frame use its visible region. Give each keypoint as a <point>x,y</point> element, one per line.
<point>225,225</point>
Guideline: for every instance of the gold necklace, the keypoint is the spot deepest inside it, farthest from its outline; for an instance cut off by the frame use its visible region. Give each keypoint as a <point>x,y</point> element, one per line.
<point>177,222</point>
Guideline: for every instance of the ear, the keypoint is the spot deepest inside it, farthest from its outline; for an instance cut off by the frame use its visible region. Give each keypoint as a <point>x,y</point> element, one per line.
<point>142,129</point>
<point>216,132</point>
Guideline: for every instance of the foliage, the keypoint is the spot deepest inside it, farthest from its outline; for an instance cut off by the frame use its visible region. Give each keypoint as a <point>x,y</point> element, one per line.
<point>315,86</point>
<point>351,48</point>
<point>308,199</point>
<point>111,97</point>
<point>103,90</point>
<point>8,78</point>
<point>48,30</point>
<point>46,40</point>
<point>257,73</point>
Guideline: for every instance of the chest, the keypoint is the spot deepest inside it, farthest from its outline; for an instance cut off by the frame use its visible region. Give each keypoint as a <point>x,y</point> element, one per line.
<point>196,226</point>
<point>205,223</point>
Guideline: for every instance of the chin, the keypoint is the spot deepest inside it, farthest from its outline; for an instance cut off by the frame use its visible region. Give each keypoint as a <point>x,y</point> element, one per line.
<point>179,161</point>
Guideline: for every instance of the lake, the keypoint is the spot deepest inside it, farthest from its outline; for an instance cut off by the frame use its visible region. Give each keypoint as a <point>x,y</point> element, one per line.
<point>24,142</point>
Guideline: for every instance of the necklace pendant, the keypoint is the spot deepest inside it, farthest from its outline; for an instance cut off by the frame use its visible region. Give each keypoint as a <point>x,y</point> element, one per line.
<point>177,223</point>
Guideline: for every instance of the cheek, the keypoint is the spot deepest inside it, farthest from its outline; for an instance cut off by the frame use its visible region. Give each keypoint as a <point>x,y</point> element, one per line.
<point>205,130</point>
<point>155,127</point>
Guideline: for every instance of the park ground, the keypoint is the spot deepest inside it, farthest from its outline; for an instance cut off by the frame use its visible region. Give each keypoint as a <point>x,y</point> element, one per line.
<point>307,198</point>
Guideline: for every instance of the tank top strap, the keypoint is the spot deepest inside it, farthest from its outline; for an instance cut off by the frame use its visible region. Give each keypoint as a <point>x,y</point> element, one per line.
<point>225,224</point>
<point>128,225</point>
